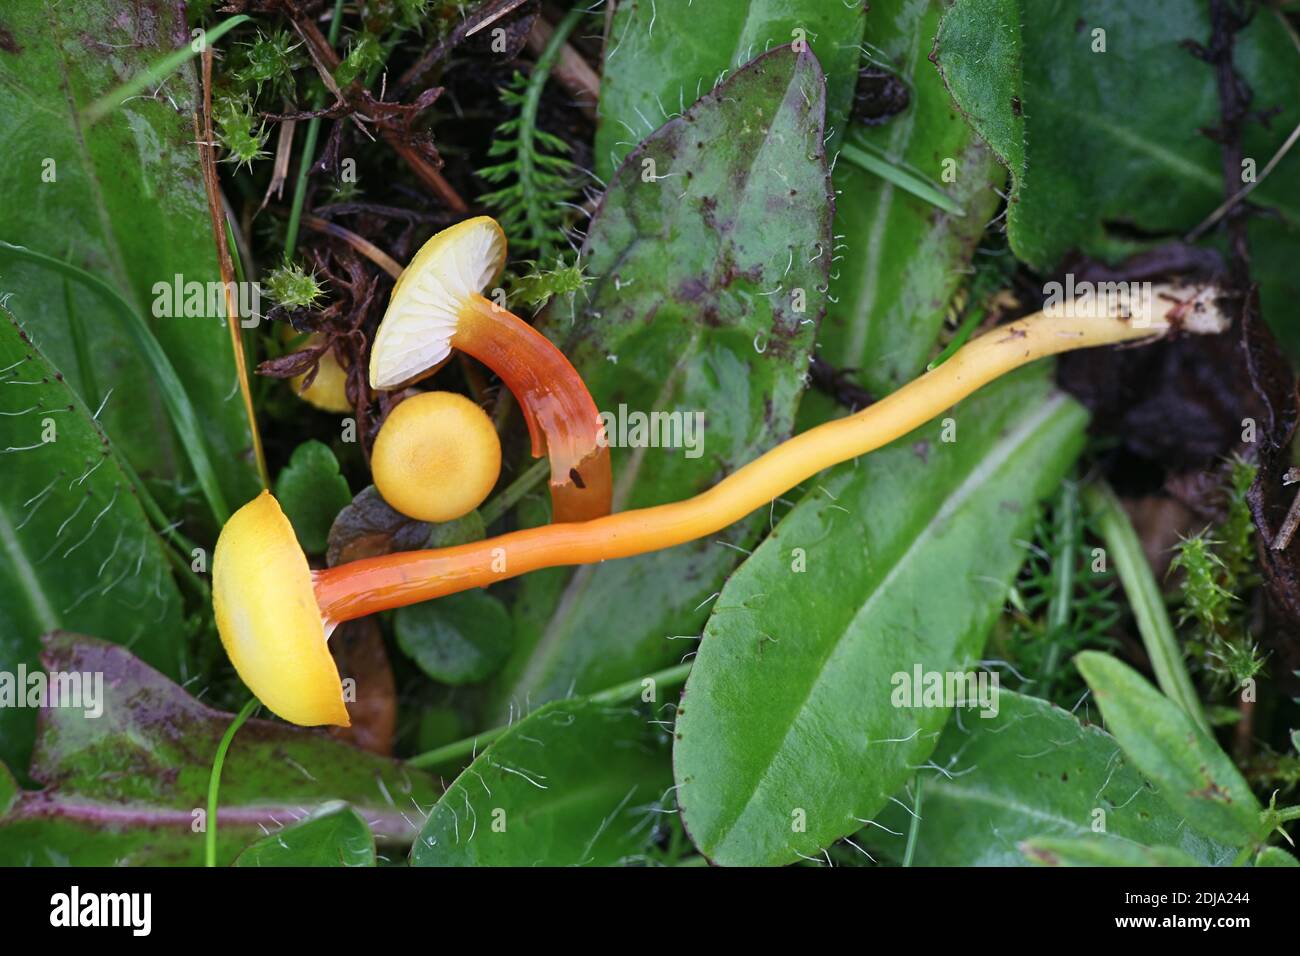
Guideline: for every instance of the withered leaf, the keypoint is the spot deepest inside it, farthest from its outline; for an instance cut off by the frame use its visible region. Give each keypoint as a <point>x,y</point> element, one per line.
<point>368,528</point>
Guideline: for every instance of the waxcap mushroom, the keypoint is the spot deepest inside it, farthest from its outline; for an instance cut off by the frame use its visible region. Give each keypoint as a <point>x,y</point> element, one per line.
<point>424,309</point>
<point>268,618</point>
<point>438,305</point>
<point>437,456</point>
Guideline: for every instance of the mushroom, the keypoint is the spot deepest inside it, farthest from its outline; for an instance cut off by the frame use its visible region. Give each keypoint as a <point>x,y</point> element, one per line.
<point>437,305</point>
<point>268,619</point>
<point>436,457</point>
<point>366,586</point>
<point>328,390</point>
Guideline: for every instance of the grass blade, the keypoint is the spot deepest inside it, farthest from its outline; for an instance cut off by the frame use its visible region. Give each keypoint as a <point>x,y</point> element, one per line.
<point>1148,603</point>
<point>904,179</point>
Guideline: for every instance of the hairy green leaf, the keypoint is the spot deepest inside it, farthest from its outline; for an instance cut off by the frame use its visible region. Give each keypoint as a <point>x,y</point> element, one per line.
<point>1099,111</point>
<point>898,259</point>
<point>129,786</point>
<point>791,728</point>
<point>335,835</point>
<point>663,55</point>
<point>704,306</point>
<point>1193,775</point>
<point>1033,772</point>
<point>76,549</point>
<point>576,783</point>
<point>122,199</point>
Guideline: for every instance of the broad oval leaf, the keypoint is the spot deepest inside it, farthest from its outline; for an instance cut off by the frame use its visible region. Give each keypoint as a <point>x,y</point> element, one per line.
<point>576,783</point>
<point>335,835</point>
<point>1193,775</point>
<point>1032,773</point>
<point>704,306</point>
<point>123,788</point>
<point>788,731</point>
<point>663,55</point>
<point>76,549</point>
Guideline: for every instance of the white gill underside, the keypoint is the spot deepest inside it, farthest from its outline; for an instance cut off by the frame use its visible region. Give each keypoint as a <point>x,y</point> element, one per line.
<point>417,329</point>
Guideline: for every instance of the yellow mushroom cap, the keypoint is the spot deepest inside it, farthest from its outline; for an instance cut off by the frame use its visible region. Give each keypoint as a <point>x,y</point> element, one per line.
<point>328,390</point>
<point>436,457</point>
<point>268,618</point>
<point>423,311</point>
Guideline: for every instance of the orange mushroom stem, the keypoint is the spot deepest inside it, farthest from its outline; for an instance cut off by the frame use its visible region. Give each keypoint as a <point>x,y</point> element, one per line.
<point>562,419</point>
<point>376,584</point>
<point>275,615</point>
<point>437,305</point>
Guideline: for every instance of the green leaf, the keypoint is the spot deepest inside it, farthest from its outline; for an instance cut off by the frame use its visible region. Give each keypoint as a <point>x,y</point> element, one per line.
<point>1098,850</point>
<point>76,549</point>
<point>663,55</point>
<point>1275,856</point>
<point>1193,775</point>
<point>462,530</point>
<point>335,835</point>
<point>1033,772</point>
<point>576,783</point>
<point>694,312</point>
<point>789,715</point>
<point>312,493</point>
<point>1103,145</point>
<point>899,260</point>
<point>123,200</point>
<point>461,639</point>
<point>129,786</point>
<point>8,790</point>
<point>174,397</point>
<point>1145,598</point>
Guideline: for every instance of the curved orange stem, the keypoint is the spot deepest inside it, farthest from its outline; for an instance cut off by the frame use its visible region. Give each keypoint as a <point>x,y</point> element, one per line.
<point>562,418</point>
<point>375,584</point>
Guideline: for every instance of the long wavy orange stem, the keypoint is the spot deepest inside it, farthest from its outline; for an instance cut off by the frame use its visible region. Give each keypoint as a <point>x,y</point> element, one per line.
<point>375,584</point>
<point>563,421</point>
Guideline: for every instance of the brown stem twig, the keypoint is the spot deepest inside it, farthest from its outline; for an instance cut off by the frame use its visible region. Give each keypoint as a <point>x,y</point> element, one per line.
<point>326,60</point>
<point>571,71</point>
<point>216,213</point>
<point>487,12</point>
<point>359,243</point>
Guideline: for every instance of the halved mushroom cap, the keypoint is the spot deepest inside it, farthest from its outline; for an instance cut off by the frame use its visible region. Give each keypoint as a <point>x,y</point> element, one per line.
<point>423,312</point>
<point>268,618</point>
